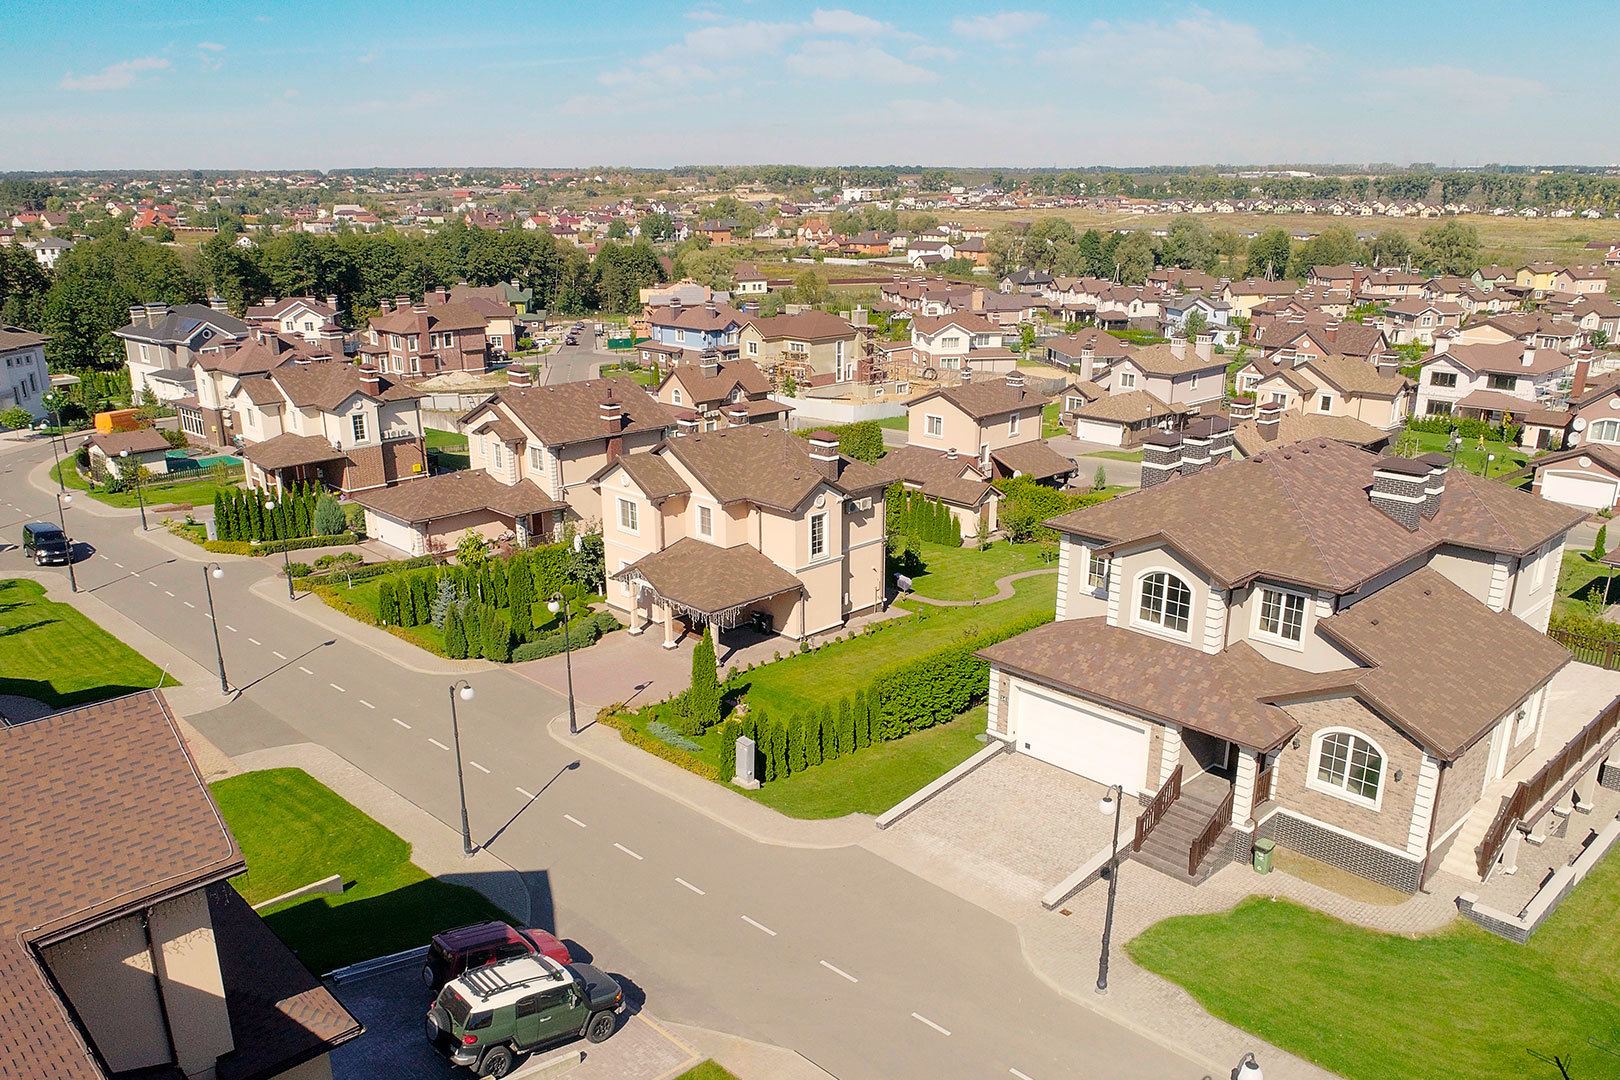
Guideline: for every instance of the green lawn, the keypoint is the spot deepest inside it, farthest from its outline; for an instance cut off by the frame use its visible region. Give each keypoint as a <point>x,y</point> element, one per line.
<point>1050,423</point>
<point>1372,1006</point>
<point>1116,455</point>
<point>51,652</point>
<point>451,447</point>
<point>294,831</point>
<point>1469,454</point>
<point>1582,578</point>
<point>198,492</point>
<point>708,1070</point>
<point>895,423</point>
<point>803,681</point>
<point>965,573</point>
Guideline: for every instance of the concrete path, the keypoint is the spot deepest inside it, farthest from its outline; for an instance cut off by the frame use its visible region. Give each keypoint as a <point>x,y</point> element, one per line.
<point>1004,591</point>
<point>1121,473</point>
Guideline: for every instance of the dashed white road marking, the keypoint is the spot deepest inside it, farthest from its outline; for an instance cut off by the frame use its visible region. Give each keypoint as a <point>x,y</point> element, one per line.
<point>280,654</point>
<point>169,594</point>
<point>401,723</point>
<point>930,1023</point>
<point>689,885</point>
<point>568,817</point>
<point>207,616</point>
<point>231,628</point>
<point>305,670</point>
<point>628,852</point>
<point>477,766</point>
<point>839,971</point>
<point>336,687</point>
<point>153,584</point>
<point>255,641</point>
<point>367,704</point>
<point>759,926</point>
<point>439,744</point>
<point>188,603</point>
<point>119,565</point>
<point>526,794</point>
<point>1021,1075</point>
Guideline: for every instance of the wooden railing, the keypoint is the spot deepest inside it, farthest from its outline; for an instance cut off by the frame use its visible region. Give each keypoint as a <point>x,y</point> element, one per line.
<point>1212,832</point>
<point>1149,818</point>
<point>1262,787</point>
<point>1530,792</point>
<point>1589,650</point>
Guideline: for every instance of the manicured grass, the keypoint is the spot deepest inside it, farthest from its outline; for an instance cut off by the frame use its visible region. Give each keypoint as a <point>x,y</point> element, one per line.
<point>1116,455</point>
<point>708,1070</point>
<point>895,423</point>
<point>1050,423</point>
<point>643,376</point>
<point>198,492</point>
<point>1469,454</point>
<point>1372,1006</point>
<point>1582,578</point>
<point>804,681</point>
<point>294,831</point>
<point>51,652</point>
<point>451,447</point>
<point>965,573</point>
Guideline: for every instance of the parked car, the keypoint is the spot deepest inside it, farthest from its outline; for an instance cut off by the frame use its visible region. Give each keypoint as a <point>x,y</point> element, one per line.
<point>482,944</point>
<point>46,543</point>
<point>491,1016</point>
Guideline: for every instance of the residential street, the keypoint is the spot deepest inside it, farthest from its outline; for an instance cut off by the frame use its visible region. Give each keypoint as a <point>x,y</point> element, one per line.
<point>865,969</point>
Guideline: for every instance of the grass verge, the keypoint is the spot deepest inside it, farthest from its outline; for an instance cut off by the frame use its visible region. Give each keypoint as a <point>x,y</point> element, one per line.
<point>53,653</point>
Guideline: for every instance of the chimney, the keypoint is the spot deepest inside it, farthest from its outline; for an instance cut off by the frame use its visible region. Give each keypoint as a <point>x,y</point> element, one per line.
<point>331,339</point>
<point>1582,366</point>
<point>1220,440</point>
<point>217,303</point>
<point>1015,379</point>
<point>1161,457</point>
<point>331,301</point>
<point>950,455</point>
<point>517,378</point>
<point>737,415</point>
<point>420,307</point>
<point>440,296</point>
<point>1435,484</point>
<point>708,305</point>
<point>858,317</point>
<point>824,452</point>
<point>156,313</point>
<point>613,420</point>
<point>709,362</point>
<point>137,315</point>
<point>976,299</point>
<point>750,307</point>
<point>1178,348</point>
<point>1529,356</point>
<point>370,381</point>
<point>1204,347</point>
<point>402,302</point>
<point>674,305</point>
<point>1241,407</point>
<point>386,305</point>
<point>1268,418</point>
<point>1398,489</point>
<point>1195,445</point>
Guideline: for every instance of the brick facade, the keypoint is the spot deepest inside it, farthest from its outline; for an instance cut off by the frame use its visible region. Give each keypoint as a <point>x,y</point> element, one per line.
<point>1389,824</point>
<point>1335,849</point>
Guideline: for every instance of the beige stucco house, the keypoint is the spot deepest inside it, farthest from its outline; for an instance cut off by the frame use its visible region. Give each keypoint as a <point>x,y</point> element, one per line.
<point>817,348</point>
<point>709,393</point>
<point>996,421</point>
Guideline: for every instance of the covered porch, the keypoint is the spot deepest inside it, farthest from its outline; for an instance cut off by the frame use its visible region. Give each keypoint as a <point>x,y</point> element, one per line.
<point>698,583</point>
<point>287,460</point>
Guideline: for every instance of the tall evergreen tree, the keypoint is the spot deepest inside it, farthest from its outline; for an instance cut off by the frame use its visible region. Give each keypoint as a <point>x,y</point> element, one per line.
<point>221,527</point>
<point>829,734</point>
<point>795,744</point>
<point>846,728</point>
<point>704,695</point>
<point>812,739</point>
<point>779,749</point>
<point>387,603</point>
<point>520,596</point>
<point>863,721</point>
<point>455,635</point>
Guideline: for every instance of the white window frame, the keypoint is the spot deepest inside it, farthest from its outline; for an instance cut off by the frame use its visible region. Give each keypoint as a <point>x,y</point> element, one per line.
<point>1524,719</point>
<point>1161,628</point>
<point>1127,380</point>
<point>1326,787</point>
<point>753,347</point>
<point>1194,383</point>
<point>1608,424</point>
<point>629,516</point>
<point>1434,379</point>
<point>674,395</point>
<point>536,461</point>
<point>1324,403</point>
<point>1283,595</point>
<point>1012,426</point>
<point>934,426</point>
<point>357,427</point>
<point>497,460</point>
<point>819,519</point>
<point>1097,572</point>
<point>705,521</point>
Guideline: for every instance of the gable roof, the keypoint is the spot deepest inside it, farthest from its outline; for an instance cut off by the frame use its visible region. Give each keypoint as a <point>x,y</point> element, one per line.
<point>15,337</point>
<point>929,325</point>
<point>1035,459</point>
<point>729,374</point>
<point>568,413</point>
<point>1504,358</point>
<point>139,441</point>
<point>957,481</point>
<point>983,400</point>
<point>1295,426</point>
<point>764,465</point>
<point>709,579</point>
<point>432,498</point>
<point>1163,359</point>
<point>1353,375</point>
<point>326,386</point>
<point>182,323</point>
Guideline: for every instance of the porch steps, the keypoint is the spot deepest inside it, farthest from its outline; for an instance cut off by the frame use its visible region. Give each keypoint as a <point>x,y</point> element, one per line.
<point>1463,858</point>
<point>1169,845</point>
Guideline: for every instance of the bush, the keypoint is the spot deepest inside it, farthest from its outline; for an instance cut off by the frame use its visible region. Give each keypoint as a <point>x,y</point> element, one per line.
<point>354,519</point>
<point>582,634</point>
<point>730,732</point>
<point>369,570</point>
<point>276,547</point>
<point>299,569</point>
<point>862,440</point>
<point>613,718</point>
<point>830,749</point>
<point>1600,546</point>
<point>498,639</point>
<point>455,634</point>
<point>674,738</point>
<point>16,418</point>
<point>936,686</point>
<point>846,728</point>
<point>703,698</point>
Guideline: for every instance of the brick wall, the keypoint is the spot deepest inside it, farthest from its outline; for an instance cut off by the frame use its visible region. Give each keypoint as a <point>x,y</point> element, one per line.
<point>1389,824</point>
<point>1336,849</point>
<point>1461,783</point>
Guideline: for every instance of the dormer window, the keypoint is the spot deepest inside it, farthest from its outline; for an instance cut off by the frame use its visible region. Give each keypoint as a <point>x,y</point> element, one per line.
<point>1165,601</point>
<point>1282,615</point>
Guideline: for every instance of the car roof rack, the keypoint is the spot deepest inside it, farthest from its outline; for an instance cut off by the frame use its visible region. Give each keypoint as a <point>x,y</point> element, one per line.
<point>486,982</point>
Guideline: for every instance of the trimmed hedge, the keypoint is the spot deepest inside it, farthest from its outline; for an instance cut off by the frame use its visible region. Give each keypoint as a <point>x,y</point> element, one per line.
<point>276,547</point>
<point>613,718</point>
<point>936,686</point>
<point>583,633</point>
<point>367,572</point>
<point>861,440</point>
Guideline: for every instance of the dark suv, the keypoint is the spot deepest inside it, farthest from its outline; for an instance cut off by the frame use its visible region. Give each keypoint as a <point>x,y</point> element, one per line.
<point>46,543</point>
<point>482,944</point>
<point>491,1016</point>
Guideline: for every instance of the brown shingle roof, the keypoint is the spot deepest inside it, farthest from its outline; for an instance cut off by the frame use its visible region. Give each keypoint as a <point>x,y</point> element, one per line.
<point>1319,527</point>
<point>326,386</point>
<point>805,326</point>
<point>1128,408</point>
<point>1294,426</point>
<point>1504,358</point>
<point>701,388</point>
<point>709,579</point>
<point>969,323</point>
<point>139,441</point>
<point>255,357</point>
<point>1353,375</point>
<point>653,475</point>
<point>571,412</point>
<point>287,449</point>
<point>1162,359</point>
<point>765,465</point>
<point>448,494</point>
<point>1034,459</point>
<point>450,316</point>
<point>14,337</point>
<point>982,400</point>
<point>939,476</point>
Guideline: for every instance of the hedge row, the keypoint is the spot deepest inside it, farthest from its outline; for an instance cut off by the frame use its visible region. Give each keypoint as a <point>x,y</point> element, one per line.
<point>613,718</point>
<point>335,599</point>
<point>862,440</point>
<point>915,514</point>
<point>936,686</point>
<point>582,633</point>
<point>276,547</point>
<point>367,572</point>
<point>1466,426</point>
<point>803,741</point>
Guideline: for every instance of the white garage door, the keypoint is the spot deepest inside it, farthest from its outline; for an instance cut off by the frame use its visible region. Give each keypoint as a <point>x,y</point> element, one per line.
<point>1098,432</point>
<point>1591,492</point>
<point>1072,736</point>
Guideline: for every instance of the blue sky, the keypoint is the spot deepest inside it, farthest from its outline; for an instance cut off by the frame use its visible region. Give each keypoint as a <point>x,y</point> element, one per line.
<point>340,83</point>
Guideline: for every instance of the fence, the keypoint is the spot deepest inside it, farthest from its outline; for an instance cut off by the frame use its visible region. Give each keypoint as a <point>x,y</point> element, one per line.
<point>1149,818</point>
<point>1589,650</point>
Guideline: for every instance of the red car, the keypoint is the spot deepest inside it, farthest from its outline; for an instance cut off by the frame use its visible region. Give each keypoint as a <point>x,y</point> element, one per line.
<point>482,944</point>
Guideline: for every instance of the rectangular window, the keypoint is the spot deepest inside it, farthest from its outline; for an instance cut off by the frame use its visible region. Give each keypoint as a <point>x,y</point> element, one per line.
<point>675,395</point>
<point>1282,614</point>
<point>705,521</point>
<point>1501,382</point>
<point>496,458</point>
<point>1324,403</point>
<point>1127,380</point>
<point>934,426</point>
<point>818,535</point>
<point>359,423</point>
<point>535,461</point>
<point>753,348</point>
<point>411,342</point>
<point>1097,571</point>
<point>1438,408</point>
<point>1012,425</point>
<point>1443,378</point>
<point>1194,384</point>
<point>628,516</point>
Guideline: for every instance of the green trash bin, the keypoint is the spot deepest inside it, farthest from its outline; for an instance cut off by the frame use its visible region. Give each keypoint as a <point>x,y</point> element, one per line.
<point>1262,855</point>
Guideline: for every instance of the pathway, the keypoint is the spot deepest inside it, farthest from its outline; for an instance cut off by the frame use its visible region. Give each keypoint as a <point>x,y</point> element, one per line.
<point>1004,590</point>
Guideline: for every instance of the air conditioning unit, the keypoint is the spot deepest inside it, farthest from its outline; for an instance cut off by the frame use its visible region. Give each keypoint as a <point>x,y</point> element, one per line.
<point>863,505</point>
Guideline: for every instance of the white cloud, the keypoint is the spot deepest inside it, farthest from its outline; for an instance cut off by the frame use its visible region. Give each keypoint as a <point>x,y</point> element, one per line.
<point>1184,46</point>
<point>211,46</point>
<point>818,57</point>
<point>933,52</point>
<point>839,21</point>
<point>1000,26</point>
<point>702,55</point>
<point>212,55</point>
<point>119,76</point>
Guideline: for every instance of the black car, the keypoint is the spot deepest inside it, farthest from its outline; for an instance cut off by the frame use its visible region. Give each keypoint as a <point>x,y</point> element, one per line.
<point>46,543</point>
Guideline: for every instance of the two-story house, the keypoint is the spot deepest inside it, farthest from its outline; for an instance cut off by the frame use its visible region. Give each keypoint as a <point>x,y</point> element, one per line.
<point>25,380</point>
<point>1345,673</point>
<point>126,951</point>
<point>950,344</point>
<point>346,428</point>
<point>1417,319</point>
<point>711,393</point>
<point>163,339</point>
<point>1488,381</point>
<point>817,348</point>
<point>743,526</point>
<point>1088,353</point>
<point>1328,385</point>
<point>1217,317</point>
<point>426,337</point>
<point>1172,372</point>
<point>304,316</point>
<point>997,421</point>
<point>693,328</point>
<point>208,417</point>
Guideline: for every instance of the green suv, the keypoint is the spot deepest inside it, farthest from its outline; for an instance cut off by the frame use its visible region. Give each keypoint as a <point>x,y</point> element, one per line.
<point>491,1015</point>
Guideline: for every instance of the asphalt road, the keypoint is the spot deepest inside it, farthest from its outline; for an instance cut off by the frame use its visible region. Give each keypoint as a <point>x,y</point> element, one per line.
<point>867,970</point>
<point>575,363</point>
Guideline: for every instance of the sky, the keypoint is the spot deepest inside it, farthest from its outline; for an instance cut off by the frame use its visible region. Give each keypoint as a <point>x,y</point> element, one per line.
<point>347,84</point>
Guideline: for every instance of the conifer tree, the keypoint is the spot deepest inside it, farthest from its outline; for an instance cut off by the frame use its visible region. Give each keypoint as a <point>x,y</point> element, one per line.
<point>846,728</point>
<point>455,635</point>
<point>863,721</point>
<point>829,734</point>
<point>387,603</point>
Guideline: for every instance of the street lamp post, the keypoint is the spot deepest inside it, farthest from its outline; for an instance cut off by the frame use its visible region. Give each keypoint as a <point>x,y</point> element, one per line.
<point>462,689</point>
<point>135,475</point>
<point>57,458</point>
<point>286,561</point>
<point>559,604</point>
<point>64,500</point>
<point>1113,801</point>
<point>214,570</point>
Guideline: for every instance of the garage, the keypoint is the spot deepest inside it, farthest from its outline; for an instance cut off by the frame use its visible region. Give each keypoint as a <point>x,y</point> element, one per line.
<point>1082,739</point>
<point>1099,431</point>
<point>1592,492</point>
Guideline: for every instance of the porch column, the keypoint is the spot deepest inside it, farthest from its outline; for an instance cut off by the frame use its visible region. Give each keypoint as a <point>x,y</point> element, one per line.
<point>1510,851</point>
<point>1586,789</point>
<point>635,610</point>
<point>1170,753</point>
<point>669,626</point>
<point>522,523</point>
<point>1243,788</point>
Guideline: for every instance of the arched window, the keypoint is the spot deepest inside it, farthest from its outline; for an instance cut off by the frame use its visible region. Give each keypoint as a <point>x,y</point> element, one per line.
<point>1606,431</point>
<point>1166,602</point>
<point>1350,763</point>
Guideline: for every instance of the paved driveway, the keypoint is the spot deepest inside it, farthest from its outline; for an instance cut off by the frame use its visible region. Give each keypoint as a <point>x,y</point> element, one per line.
<point>1126,473</point>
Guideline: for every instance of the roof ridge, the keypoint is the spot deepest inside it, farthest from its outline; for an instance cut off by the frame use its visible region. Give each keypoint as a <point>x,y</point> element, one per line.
<point>1310,534</point>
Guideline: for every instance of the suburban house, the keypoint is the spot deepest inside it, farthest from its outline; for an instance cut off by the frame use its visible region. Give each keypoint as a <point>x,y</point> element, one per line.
<point>1538,330</point>
<point>1312,674</point>
<point>1328,385</point>
<point>500,315</point>
<point>1488,381</point>
<point>427,337</point>
<point>1246,295</point>
<point>1256,429</point>
<point>743,526</point>
<point>160,338</point>
<point>1416,319</point>
<point>126,950</point>
<point>1217,317</point>
<point>144,447</point>
<point>691,329</point>
<point>1391,285</point>
<point>750,282</point>
<point>304,316</point>
<point>957,480</point>
<point>208,417</point>
<point>952,343</point>
<point>26,379</point>
<point>1585,476</point>
<point>1171,372</point>
<point>1030,281</point>
<point>711,393</point>
<point>817,348</point>
<point>996,421</point>
<point>1122,419</point>
<point>346,428</point>
<point>1088,353</point>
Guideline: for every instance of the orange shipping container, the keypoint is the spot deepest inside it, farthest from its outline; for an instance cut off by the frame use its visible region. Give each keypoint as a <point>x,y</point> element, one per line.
<point>117,420</point>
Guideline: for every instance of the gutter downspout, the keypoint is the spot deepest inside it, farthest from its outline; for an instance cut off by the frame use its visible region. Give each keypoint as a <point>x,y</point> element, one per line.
<point>1428,844</point>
